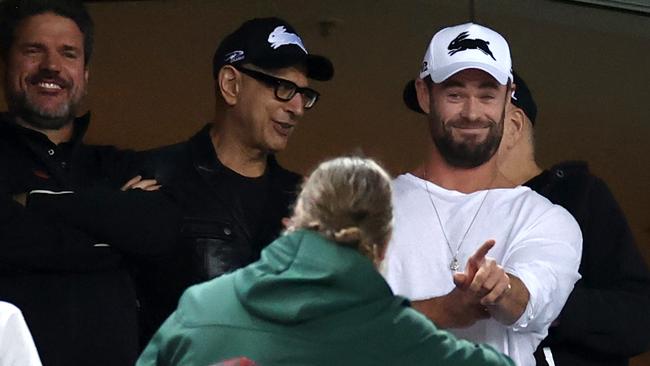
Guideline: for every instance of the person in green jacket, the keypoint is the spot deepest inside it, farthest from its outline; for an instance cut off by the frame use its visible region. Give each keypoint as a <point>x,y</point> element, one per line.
<point>315,297</point>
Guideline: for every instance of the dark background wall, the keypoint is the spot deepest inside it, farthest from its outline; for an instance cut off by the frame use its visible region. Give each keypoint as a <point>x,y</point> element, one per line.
<point>588,67</point>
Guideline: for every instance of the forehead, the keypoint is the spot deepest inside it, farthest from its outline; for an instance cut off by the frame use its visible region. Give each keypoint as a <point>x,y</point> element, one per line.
<point>473,77</point>
<point>48,28</point>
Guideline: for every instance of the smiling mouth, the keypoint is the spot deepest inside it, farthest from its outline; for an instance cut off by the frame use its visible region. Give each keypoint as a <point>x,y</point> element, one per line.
<point>473,126</point>
<point>283,129</point>
<point>49,86</point>
<point>48,82</point>
<point>285,126</point>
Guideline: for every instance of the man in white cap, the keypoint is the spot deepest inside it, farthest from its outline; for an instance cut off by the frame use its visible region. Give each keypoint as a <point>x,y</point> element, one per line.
<point>456,207</point>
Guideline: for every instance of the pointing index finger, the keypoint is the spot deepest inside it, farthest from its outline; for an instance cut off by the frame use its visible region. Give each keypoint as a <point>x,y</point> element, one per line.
<point>476,260</point>
<point>481,252</point>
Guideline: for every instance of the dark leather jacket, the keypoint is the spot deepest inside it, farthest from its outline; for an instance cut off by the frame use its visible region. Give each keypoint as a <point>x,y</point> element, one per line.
<point>215,238</point>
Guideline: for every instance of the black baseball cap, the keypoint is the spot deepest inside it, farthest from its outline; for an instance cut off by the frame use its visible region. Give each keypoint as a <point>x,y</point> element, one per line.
<point>523,98</point>
<point>269,43</point>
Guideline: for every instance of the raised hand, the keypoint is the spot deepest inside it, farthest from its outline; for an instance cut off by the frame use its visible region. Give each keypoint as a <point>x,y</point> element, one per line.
<point>483,277</point>
<point>482,291</point>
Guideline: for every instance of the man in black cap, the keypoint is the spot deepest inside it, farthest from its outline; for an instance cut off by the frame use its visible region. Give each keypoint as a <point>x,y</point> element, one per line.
<point>226,179</point>
<point>604,321</point>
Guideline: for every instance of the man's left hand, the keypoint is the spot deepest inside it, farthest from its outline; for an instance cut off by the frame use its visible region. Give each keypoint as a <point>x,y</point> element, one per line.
<point>138,183</point>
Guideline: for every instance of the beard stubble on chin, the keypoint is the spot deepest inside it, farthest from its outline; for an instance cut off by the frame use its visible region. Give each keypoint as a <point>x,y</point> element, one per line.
<point>24,105</point>
<point>467,153</point>
<point>41,118</point>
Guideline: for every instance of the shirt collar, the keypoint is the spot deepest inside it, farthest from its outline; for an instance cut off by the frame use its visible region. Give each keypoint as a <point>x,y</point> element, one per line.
<point>8,125</point>
<point>206,158</point>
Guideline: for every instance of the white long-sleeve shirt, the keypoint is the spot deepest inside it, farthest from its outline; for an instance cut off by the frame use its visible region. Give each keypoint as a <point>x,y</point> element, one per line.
<point>537,241</point>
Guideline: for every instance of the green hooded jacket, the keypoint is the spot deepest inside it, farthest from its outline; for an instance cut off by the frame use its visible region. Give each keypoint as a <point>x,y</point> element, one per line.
<point>307,301</point>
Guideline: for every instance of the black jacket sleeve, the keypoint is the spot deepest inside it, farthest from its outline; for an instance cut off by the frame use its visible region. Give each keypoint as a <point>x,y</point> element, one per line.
<point>29,242</point>
<point>609,310</point>
<point>134,222</point>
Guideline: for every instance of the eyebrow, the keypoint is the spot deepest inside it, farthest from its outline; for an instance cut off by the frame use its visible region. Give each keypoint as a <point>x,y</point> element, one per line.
<point>452,84</point>
<point>31,44</point>
<point>457,84</point>
<point>71,48</point>
<point>66,47</point>
<point>488,85</point>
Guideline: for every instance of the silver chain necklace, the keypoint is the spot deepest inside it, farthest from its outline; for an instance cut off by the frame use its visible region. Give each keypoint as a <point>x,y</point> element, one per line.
<point>454,265</point>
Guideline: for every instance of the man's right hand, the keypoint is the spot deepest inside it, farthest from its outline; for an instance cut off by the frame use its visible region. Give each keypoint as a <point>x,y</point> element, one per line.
<point>465,304</point>
<point>484,276</point>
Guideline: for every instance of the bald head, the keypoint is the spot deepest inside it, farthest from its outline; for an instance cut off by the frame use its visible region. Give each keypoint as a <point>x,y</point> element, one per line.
<point>516,154</point>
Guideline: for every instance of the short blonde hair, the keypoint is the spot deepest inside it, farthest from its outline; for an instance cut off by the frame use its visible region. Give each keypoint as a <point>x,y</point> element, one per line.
<point>348,200</point>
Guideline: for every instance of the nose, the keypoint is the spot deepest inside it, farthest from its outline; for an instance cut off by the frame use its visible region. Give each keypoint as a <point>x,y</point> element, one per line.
<point>51,61</point>
<point>296,106</point>
<point>470,109</point>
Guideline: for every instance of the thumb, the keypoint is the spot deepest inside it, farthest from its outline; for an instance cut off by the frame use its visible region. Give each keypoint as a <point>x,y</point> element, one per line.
<point>459,279</point>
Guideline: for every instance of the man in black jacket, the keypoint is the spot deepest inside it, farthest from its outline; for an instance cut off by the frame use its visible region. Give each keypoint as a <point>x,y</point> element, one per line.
<point>605,320</point>
<point>57,263</point>
<point>233,192</point>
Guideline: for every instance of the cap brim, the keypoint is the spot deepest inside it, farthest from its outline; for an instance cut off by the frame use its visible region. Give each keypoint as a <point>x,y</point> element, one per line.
<point>319,68</point>
<point>443,73</point>
<point>411,98</point>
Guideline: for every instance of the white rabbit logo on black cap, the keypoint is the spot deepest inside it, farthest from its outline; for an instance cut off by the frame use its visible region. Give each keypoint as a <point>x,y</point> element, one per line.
<point>280,37</point>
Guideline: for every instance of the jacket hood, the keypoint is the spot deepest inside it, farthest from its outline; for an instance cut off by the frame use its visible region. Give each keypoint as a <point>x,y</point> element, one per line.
<point>303,276</point>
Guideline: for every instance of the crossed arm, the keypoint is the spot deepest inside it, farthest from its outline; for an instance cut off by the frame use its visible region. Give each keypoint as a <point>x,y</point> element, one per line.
<point>482,291</point>
<point>61,232</point>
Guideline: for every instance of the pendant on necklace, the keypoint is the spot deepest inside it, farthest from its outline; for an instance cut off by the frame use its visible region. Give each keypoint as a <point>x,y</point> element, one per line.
<point>454,265</point>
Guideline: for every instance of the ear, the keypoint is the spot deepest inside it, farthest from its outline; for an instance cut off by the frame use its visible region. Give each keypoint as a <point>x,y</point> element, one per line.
<point>513,128</point>
<point>228,84</point>
<point>423,93</point>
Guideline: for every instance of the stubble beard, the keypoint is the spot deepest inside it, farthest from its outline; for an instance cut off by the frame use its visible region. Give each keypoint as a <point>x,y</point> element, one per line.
<point>465,154</point>
<point>24,106</point>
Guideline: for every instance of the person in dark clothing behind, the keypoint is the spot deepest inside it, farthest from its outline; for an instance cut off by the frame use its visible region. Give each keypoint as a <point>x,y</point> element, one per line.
<point>605,320</point>
<point>60,268</point>
<point>233,192</point>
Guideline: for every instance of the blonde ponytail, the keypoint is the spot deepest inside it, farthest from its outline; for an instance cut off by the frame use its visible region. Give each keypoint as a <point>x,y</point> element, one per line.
<point>349,201</point>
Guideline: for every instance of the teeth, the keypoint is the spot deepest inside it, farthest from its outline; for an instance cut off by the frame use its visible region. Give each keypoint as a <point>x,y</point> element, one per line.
<point>49,85</point>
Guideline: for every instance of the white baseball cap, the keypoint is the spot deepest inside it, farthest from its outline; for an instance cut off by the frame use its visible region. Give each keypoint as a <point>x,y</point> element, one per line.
<point>461,47</point>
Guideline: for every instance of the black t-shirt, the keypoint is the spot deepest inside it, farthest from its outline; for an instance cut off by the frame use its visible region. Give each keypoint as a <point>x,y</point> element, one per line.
<point>250,197</point>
